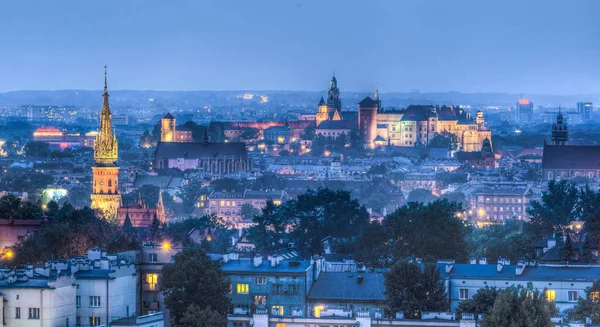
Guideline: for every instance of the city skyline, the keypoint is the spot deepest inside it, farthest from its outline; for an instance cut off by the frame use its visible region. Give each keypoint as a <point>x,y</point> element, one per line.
<point>403,46</point>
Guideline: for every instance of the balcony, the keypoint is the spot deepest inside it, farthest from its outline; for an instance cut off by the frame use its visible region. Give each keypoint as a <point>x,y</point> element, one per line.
<point>149,287</point>
<point>151,305</point>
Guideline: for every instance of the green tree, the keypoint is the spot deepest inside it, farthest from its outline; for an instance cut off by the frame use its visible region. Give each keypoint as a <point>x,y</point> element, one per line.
<point>10,207</point>
<point>189,195</point>
<point>315,215</point>
<point>520,306</point>
<point>270,227</point>
<point>420,195</point>
<point>79,196</point>
<point>372,249</point>
<point>412,290</point>
<point>506,241</point>
<point>249,134</point>
<point>309,133</point>
<point>196,316</point>
<point>588,306</point>
<point>155,230</point>
<point>194,279</point>
<point>559,206</point>
<point>146,140</point>
<point>481,303</point>
<point>248,211</point>
<point>413,227</point>
<point>37,149</point>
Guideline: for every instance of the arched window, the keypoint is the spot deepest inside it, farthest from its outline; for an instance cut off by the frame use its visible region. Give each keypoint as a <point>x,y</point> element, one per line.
<point>109,182</point>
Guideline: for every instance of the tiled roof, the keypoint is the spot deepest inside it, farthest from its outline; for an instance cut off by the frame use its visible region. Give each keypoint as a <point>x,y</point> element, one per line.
<point>247,266</point>
<point>199,150</point>
<point>338,124</point>
<point>571,157</point>
<point>508,272</point>
<point>367,102</point>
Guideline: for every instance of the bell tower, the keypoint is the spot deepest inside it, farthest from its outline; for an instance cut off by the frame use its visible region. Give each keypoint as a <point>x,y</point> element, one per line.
<point>560,134</point>
<point>105,172</point>
<point>167,128</point>
<point>322,114</point>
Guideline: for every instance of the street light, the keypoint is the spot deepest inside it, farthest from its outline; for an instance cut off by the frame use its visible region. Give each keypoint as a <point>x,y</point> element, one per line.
<point>166,246</point>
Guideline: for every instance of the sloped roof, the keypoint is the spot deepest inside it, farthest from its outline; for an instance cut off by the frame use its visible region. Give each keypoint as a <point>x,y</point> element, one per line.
<point>322,102</point>
<point>198,149</point>
<point>571,157</point>
<point>338,124</point>
<point>367,102</point>
<point>168,116</point>
<point>345,286</point>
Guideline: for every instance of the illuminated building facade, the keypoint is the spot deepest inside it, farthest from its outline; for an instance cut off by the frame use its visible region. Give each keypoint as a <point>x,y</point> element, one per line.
<point>63,139</point>
<point>105,190</point>
<point>170,132</point>
<point>140,214</point>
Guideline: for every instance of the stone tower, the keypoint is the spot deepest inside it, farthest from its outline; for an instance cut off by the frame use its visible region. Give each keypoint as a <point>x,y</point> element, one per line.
<point>105,172</point>
<point>560,134</point>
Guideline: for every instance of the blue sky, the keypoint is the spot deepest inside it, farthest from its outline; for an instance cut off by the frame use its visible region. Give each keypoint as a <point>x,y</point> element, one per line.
<point>532,46</point>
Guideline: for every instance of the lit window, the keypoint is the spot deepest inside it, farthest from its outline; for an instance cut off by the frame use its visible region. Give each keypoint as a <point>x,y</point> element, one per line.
<point>260,300</point>
<point>277,310</point>
<point>551,295</point>
<point>463,294</point>
<point>280,325</point>
<point>152,280</point>
<point>242,288</point>
<point>222,203</point>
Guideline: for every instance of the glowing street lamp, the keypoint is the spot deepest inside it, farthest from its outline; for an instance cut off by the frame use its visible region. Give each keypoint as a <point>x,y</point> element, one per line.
<point>166,246</point>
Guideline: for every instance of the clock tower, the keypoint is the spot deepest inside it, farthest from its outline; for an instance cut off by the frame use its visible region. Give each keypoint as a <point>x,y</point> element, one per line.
<point>105,188</point>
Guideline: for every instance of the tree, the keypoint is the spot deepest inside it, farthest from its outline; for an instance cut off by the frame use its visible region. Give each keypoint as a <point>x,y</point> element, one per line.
<point>481,303</point>
<point>413,227</point>
<point>558,208</point>
<point>318,145</point>
<point>270,226</point>
<point>590,306</point>
<point>225,184</point>
<point>444,140</point>
<point>420,195</point>
<point>520,306</point>
<point>318,214</point>
<point>189,195</point>
<point>413,290</point>
<point>284,153</point>
<point>309,133</point>
<point>79,196</point>
<point>37,149</point>
<point>146,140</point>
<point>196,316</point>
<point>378,170</point>
<point>506,241</point>
<point>249,134</point>
<point>248,211</point>
<point>194,279</point>
<point>372,249</point>
<point>155,230</point>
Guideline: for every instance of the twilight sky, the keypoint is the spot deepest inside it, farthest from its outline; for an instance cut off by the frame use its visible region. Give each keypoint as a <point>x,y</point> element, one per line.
<point>529,46</point>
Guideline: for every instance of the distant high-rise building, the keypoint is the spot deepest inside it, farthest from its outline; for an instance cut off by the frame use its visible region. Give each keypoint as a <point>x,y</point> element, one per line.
<point>585,110</point>
<point>560,134</point>
<point>524,111</point>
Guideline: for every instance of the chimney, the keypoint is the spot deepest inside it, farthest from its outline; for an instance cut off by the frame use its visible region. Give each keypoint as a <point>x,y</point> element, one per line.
<point>499,266</point>
<point>274,260</point>
<point>257,260</point>
<point>104,263</point>
<point>519,269</point>
<point>449,267</point>
<point>359,279</point>
<point>473,261</point>
<point>482,261</point>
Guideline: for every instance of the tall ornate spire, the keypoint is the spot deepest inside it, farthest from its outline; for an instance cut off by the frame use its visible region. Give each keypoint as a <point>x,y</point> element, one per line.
<point>160,208</point>
<point>376,96</point>
<point>105,145</point>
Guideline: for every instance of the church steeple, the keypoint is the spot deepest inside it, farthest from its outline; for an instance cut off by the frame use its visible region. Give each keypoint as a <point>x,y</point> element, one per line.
<point>560,133</point>
<point>160,208</point>
<point>333,97</point>
<point>105,145</point>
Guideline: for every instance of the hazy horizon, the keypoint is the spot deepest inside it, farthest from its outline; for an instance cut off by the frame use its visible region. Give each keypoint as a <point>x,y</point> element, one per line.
<point>534,47</point>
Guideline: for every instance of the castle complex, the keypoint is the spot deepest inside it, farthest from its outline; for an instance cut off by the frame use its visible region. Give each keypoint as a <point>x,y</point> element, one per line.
<point>105,189</point>
<point>413,126</point>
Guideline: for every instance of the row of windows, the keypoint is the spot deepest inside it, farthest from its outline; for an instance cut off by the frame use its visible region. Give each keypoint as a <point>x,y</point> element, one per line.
<point>94,301</point>
<point>573,296</point>
<point>291,289</point>
<point>34,313</point>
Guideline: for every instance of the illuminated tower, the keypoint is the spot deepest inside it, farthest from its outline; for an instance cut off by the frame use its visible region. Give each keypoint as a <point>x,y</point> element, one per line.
<point>333,97</point>
<point>322,114</point>
<point>167,128</point>
<point>105,190</point>
<point>367,121</point>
